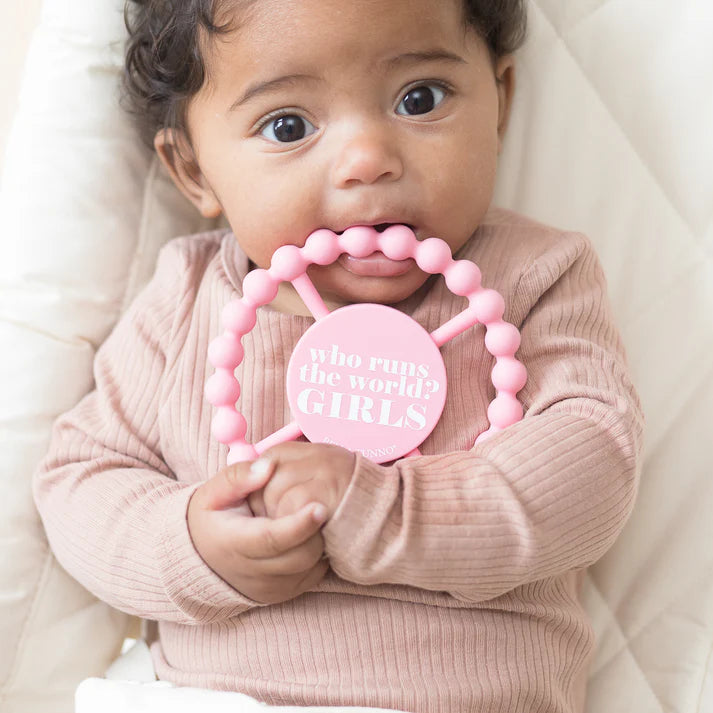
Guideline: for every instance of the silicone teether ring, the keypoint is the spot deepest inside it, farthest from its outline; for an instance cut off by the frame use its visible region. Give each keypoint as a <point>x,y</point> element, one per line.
<point>289,264</point>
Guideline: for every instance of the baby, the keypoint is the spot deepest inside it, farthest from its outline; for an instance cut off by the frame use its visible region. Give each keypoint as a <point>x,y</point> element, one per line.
<point>444,582</point>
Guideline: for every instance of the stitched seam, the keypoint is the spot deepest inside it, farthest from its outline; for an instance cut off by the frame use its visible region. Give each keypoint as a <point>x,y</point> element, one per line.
<point>586,16</point>
<point>709,659</point>
<point>22,641</point>
<point>625,647</point>
<point>692,233</point>
<point>692,396</point>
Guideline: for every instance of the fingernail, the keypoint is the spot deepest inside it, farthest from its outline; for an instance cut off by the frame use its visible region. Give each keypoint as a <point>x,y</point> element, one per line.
<point>319,513</point>
<point>260,468</point>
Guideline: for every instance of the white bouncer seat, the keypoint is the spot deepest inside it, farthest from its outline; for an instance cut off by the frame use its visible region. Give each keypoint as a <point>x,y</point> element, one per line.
<point>610,135</point>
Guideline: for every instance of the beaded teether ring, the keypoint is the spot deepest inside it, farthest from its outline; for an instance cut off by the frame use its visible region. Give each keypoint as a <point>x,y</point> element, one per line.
<point>364,376</point>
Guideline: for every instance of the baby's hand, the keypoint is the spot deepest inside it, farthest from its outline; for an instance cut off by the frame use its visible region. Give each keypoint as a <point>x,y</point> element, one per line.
<point>302,473</point>
<point>267,560</point>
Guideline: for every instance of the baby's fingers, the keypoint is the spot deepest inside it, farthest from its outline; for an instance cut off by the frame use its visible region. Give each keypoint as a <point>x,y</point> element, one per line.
<point>262,537</point>
<point>296,561</point>
<point>230,486</point>
<point>276,589</point>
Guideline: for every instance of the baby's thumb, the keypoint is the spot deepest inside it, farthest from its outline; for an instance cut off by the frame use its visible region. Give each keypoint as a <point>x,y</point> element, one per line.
<point>230,486</point>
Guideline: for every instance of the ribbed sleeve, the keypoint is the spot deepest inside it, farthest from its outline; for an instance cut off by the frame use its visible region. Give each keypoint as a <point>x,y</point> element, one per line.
<point>546,496</point>
<point>114,513</point>
<point>455,575</point>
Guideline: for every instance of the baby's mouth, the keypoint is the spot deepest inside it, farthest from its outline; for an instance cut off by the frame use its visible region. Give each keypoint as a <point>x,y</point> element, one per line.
<point>380,227</point>
<point>376,264</point>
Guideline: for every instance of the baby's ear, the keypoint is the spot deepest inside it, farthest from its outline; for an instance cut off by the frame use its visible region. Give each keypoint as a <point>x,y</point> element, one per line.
<point>505,80</point>
<point>175,152</point>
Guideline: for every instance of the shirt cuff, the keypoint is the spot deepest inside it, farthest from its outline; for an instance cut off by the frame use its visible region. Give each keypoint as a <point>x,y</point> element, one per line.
<point>193,587</point>
<point>368,499</point>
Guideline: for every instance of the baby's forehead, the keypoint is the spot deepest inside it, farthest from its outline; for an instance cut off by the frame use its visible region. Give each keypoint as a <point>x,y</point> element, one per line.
<point>302,26</point>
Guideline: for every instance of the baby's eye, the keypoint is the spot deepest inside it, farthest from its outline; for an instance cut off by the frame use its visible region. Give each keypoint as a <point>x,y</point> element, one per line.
<point>287,128</point>
<point>421,99</point>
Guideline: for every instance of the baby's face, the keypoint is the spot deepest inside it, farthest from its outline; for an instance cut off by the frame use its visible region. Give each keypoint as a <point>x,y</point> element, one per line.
<point>334,113</point>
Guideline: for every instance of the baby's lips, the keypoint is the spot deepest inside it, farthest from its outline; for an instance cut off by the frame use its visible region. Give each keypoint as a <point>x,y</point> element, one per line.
<point>378,227</point>
<point>376,264</point>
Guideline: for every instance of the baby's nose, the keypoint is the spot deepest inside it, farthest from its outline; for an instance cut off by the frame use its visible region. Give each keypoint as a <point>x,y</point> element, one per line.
<point>366,156</point>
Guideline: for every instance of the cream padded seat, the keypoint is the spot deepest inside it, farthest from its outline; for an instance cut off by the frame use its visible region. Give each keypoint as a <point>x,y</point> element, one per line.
<point>610,135</point>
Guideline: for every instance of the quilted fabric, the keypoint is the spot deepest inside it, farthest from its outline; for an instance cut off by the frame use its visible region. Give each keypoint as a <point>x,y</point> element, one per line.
<point>83,212</point>
<point>610,135</point>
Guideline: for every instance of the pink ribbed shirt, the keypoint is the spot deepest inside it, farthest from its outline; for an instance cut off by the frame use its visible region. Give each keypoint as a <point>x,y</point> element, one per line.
<point>454,576</point>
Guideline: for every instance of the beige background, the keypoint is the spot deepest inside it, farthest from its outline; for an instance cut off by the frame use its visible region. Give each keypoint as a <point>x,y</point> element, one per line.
<point>19,19</point>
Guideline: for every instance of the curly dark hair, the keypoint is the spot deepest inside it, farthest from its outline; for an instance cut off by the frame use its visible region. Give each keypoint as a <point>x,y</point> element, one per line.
<point>164,66</point>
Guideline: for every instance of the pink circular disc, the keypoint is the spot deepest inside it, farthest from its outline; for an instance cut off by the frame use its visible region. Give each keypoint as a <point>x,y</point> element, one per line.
<point>368,378</point>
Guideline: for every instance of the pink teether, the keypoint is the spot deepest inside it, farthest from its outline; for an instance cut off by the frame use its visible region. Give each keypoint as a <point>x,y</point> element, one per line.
<point>381,395</point>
